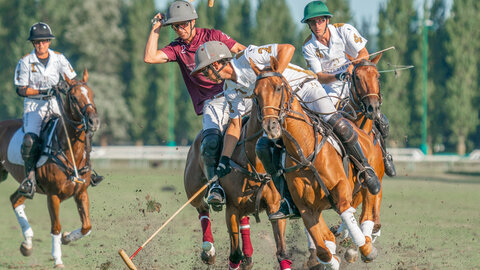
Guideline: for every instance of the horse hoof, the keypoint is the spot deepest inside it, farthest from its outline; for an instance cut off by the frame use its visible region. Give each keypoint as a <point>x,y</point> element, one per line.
<point>207,259</point>
<point>25,250</point>
<point>370,257</point>
<point>59,266</point>
<point>65,240</point>
<point>247,263</point>
<point>351,255</point>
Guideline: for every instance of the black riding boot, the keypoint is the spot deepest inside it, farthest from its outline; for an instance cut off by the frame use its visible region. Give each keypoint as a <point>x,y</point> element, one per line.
<point>344,130</point>
<point>383,126</point>
<point>210,152</point>
<point>269,155</point>
<point>30,151</point>
<point>95,179</point>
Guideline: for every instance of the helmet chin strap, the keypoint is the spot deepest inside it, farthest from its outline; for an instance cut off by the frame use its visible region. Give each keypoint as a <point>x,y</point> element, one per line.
<point>216,72</point>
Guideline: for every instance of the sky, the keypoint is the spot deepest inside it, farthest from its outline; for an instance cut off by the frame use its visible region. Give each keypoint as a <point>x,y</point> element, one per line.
<point>361,9</point>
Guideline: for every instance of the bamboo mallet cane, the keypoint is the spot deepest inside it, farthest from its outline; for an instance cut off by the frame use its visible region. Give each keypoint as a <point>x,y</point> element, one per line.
<point>123,254</point>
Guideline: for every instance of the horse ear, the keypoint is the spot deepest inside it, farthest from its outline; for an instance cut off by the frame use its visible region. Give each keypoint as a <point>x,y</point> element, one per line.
<point>254,67</point>
<point>274,63</point>
<point>85,75</point>
<point>377,58</point>
<point>70,82</point>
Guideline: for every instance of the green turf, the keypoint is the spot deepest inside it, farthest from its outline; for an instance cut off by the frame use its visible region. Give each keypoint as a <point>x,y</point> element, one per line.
<point>428,223</point>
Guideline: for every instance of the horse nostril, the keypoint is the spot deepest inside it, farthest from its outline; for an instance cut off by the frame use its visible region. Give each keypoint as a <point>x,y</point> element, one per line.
<point>370,109</point>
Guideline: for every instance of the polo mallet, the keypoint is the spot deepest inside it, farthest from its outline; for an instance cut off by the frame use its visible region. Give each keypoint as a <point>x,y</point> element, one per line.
<point>123,254</point>
<point>76,179</point>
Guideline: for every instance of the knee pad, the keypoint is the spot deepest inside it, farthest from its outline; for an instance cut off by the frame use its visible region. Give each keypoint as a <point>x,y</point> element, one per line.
<point>30,146</point>
<point>342,128</point>
<point>383,125</point>
<point>211,146</point>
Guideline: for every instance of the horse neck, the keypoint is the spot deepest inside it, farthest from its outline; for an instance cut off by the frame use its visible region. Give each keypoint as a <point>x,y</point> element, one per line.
<point>367,123</point>
<point>76,135</point>
<point>301,130</point>
<point>252,135</point>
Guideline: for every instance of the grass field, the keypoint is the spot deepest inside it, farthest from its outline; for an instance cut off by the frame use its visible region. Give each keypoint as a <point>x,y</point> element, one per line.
<point>427,223</point>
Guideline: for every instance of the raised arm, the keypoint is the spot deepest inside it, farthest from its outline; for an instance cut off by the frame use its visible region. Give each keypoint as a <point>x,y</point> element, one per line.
<point>152,54</point>
<point>284,56</point>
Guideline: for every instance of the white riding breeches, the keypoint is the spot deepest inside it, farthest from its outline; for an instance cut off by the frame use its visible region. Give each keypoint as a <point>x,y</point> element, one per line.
<point>316,99</point>
<point>35,111</point>
<point>216,112</point>
<point>337,90</point>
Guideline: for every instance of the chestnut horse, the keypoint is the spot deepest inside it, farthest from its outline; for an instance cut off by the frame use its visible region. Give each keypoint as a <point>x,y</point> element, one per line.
<point>315,174</point>
<point>247,192</point>
<point>54,177</point>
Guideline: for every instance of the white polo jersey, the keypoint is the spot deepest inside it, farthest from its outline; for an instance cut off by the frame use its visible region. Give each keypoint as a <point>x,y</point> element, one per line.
<point>32,73</point>
<point>344,38</point>
<point>244,87</point>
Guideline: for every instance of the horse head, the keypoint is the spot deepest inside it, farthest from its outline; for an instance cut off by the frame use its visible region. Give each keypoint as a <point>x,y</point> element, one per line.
<point>79,103</point>
<point>271,92</point>
<point>365,87</point>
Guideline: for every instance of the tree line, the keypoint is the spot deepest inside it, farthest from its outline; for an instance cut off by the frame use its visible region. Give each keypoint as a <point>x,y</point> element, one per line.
<point>108,38</point>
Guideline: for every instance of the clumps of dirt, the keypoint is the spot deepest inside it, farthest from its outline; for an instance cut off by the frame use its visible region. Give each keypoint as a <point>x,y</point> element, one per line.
<point>106,265</point>
<point>152,205</point>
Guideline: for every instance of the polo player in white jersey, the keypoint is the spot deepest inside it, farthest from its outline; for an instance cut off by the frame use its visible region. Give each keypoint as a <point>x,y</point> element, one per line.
<point>325,54</point>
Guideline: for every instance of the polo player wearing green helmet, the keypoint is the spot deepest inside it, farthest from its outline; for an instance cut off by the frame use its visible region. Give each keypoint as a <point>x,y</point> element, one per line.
<point>325,54</point>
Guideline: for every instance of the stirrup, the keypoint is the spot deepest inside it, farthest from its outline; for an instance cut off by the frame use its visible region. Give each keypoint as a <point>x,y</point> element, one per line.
<point>95,179</point>
<point>27,188</point>
<point>284,211</point>
<point>216,197</point>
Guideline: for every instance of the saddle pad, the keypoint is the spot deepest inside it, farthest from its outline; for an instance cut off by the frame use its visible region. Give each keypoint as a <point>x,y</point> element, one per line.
<point>335,144</point>
<point>14,153</point>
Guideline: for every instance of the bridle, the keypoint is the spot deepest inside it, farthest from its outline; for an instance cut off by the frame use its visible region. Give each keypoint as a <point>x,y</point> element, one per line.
<point>358,99</point>
<point>78,125</point>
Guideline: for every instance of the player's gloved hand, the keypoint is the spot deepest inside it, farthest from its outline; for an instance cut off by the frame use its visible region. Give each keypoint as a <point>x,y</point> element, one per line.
<point>342,76</point>
<point>223,167</point>
<point>47,92</point>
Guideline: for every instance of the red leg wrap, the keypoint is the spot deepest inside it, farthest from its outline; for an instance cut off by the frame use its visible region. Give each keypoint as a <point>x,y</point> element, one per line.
<point>206,227</point>
<point>245,231</point>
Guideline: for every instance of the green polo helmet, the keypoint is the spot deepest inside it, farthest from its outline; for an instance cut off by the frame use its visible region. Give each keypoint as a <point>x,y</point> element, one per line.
<point>315,9</point>
<point>180,11</point>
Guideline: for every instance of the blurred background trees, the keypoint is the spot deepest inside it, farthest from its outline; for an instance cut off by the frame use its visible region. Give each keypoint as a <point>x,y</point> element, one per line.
<point>108,38</point>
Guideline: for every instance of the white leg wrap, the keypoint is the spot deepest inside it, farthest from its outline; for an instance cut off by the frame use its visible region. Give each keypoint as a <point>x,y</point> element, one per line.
<point>333,264</point>
<point>57,248</point>
<point>332,247</point>
<point>355,233</point>
<point>367,228</point>
<point>23,221</point>
<point>208,248</point>
<point>375,235</point>
<point>75,235</point>
<point>311,244</point>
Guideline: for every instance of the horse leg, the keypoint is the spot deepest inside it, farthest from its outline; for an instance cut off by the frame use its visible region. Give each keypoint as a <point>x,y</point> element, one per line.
<point>83,210</point>
<point>343,193</point>
<point>247,249</point>
<point>3,173</point>
<point>17,200</point>
<point>370,216</point>
<point>54,209</point>
<point>208,250</point>
<point>322,237</point>
<point>235,257</point>
<point>278,227</point>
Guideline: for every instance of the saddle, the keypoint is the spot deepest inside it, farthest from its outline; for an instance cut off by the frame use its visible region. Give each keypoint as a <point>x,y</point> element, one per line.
<point>46,137</point>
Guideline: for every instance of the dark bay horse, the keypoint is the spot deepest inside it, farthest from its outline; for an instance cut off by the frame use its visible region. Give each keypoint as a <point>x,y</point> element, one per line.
<point>246,193</point>
<point>54,177</point>
<point>317,181</point>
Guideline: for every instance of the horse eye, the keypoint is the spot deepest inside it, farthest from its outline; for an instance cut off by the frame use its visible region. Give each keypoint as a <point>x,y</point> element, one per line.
<point>278,88</point>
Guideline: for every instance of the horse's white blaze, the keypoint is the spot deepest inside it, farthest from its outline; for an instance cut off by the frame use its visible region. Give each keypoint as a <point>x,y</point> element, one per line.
<point>23,221</point>
<point>367,228</point>
<point>355,233</point>
<point>85,93</point>
<point>57,248</point>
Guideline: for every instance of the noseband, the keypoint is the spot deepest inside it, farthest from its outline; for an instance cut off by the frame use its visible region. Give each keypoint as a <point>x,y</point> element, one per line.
<point>354,88</point>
